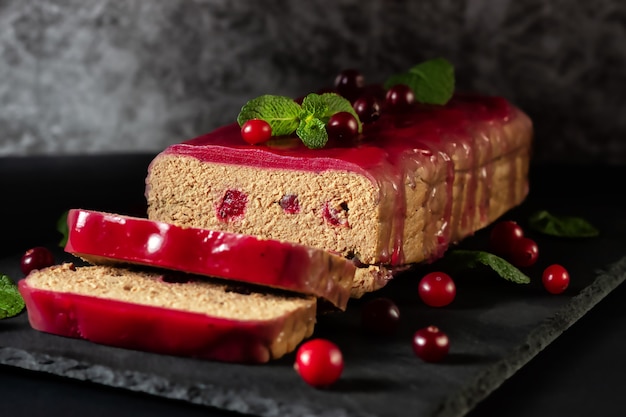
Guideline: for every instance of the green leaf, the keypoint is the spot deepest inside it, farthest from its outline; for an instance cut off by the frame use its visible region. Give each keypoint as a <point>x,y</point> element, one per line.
<point>313,104</point>
<point>279,111</point>
<point>63,229</point>
<point>11,301</point>
<point>336,104</point>
<point>470,259</point>
<point>562,226</point>
<point>313,133</point>
<point>432,81</point>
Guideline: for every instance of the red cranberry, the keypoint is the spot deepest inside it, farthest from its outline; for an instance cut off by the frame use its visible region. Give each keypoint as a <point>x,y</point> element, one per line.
<point>36,258</point>
<point>503,236</point>
<point>349,83</point>
<point>380,317</point>
<point>524,252</point>
<point>256,131</point>
<point>367,107</point>
<point>233,205</point>
<point>431,344</point>
<point>342,125</point>
<point>290,203</point>
<point>399,97</point>
<point>555,279</point>
<point>437,289</point>
<point>319,362</point>
<point>335,216</point>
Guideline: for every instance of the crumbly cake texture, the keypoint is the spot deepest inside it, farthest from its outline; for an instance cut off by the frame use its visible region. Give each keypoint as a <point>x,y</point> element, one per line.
<point>112,239</point>
<point>414,184</point>
<point>176,314</point>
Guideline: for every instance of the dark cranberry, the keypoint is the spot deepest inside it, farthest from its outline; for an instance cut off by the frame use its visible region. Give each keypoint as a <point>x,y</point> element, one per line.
<point>335,216</point>
<point>233,205</point>
<point>256,131</point>
<point>524,252</point>
<point>367,107</point>
<point>290,204</point>
<point>342,125</point>
<point>503,237</point>
<point>36,258</point>
<point>380,317</point>
<point>349,84</point>
<point>437,289</point>
<point>399,97</point>
<point>319,362</point>
<point>431,344</point>
<point>555,279</point>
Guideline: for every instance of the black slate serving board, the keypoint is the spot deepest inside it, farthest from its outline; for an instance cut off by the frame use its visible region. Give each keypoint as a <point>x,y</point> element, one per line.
<point>495,327</point>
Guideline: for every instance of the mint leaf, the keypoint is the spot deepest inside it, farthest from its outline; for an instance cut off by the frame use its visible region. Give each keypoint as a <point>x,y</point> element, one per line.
<point>312,132</point>
<point>562,226</point>
<point>63,229</point>
<point>336,104</point>
<point>432,81</point>
<point>314,105</point>
<point>470,259</point>
<point>11,301</point>
<point>279,111</point>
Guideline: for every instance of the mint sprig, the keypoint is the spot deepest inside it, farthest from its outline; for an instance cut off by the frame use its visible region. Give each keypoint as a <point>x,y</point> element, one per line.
<point>308,120</point>
<point>11,301</point>
<point>432,81</point>
<point>63,229</point>
<point>470,259</point>
<point>561,226</point>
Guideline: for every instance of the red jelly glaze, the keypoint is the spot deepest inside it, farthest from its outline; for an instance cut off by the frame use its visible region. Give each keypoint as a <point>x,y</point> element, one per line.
<point>147,328</point>
<point>385,152</point>
<point>205,252</point>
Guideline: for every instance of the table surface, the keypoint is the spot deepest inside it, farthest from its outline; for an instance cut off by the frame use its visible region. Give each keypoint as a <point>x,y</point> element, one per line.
<point>578,374</point>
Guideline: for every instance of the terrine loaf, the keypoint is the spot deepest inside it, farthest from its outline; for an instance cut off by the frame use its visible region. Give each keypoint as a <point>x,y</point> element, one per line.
<point>167,313</point>
<point>410,185</point>
<point>114,239</point>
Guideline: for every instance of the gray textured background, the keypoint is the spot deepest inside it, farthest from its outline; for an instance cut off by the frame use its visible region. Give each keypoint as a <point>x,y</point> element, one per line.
<point>102,76</point>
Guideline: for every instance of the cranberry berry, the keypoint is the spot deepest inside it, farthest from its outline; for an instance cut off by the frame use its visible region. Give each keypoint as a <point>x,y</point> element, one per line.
<point>380,317</point>
<point>232,206</point>
<point>342,125</point>
<point>36,258</point>
<point>367,107</point>
<point>256,131</point>
<point>431,344</point>
<point>319,362</point>
<point>524,253</point>
<point>437,289</point>
<point>555,279</point>
<point>399,97</point>
<point>503,237</point>
<point>349,84</point>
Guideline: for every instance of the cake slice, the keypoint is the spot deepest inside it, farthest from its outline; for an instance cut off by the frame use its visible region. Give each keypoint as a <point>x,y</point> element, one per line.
<point>412,184</point>
<point>108,238</point>
<point>170,314</point>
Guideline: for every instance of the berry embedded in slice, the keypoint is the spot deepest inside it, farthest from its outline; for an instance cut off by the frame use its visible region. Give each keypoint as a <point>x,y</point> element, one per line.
<point>232,206</point>
<point>290,204</point>
<point>105,238</point>
<point>336,215</point>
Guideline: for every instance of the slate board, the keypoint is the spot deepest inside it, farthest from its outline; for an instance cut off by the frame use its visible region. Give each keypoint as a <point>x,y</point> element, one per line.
<point>495,327</point>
